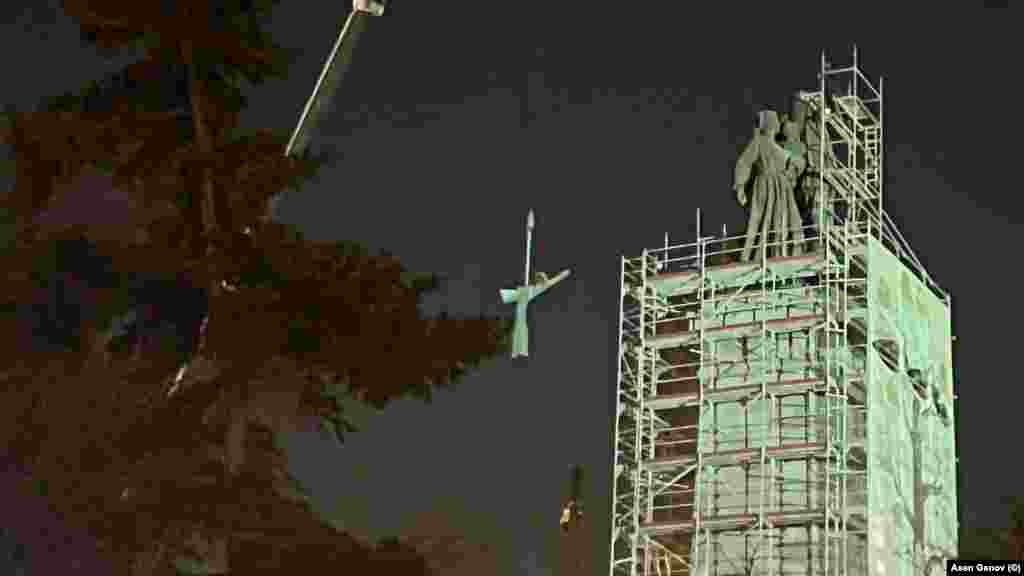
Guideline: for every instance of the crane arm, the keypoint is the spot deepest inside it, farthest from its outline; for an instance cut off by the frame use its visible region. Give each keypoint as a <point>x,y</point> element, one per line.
<point>327,83</point>
<point>338,62</point>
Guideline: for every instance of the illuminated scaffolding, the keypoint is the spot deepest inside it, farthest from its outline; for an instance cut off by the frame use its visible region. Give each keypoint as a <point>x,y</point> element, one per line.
<point>741,436</point>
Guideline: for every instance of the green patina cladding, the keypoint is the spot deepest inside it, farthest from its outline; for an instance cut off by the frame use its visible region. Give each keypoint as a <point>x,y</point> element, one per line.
<point>885,296</point>
<point>912,466</point>
<point>889,384</point>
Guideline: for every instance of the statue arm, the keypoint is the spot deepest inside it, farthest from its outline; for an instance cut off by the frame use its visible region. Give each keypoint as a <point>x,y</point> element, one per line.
<point>745,164</point>
<point>796,165</point>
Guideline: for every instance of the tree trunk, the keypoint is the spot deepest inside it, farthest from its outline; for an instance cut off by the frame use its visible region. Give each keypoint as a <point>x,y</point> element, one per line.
<point>212,208</point>
<point>209,225</point>
<point>212,214</point>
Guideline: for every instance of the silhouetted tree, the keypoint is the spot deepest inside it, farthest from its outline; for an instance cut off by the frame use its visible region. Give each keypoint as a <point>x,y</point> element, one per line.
<point>1015,532</point>
<point>983,544</point>
<point>449,547</point>
<point>137,220</point>
<point>996,543</point>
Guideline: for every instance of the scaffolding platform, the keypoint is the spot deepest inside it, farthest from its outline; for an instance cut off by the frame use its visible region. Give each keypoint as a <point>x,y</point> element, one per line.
<point>856,109</point>
<point>855,245</point>
<point>736,274</point>
<point>856,520</point>
<point>735,457</point>
<point>728,522</point>
<point>679,338</point>
<point>733,393</point>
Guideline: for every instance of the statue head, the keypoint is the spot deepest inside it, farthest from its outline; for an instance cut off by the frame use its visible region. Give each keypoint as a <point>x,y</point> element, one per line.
<point>768,122</point>
<point>791,131</point>
<point>799,110</point>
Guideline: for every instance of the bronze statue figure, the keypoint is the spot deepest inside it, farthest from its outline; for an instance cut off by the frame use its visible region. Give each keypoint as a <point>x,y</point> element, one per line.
<point>761,168</point>
<point>810,193</point>
<point>789,223</point>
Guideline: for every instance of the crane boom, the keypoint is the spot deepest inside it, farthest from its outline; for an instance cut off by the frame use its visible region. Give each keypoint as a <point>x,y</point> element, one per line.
<point>334,68</point>
<point>327,83</point>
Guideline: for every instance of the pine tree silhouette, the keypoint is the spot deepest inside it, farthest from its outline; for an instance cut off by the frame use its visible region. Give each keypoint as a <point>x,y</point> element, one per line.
<point>156,461</point>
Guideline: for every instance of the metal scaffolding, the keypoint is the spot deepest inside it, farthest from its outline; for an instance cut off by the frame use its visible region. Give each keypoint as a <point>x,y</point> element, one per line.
<point>741,421</point>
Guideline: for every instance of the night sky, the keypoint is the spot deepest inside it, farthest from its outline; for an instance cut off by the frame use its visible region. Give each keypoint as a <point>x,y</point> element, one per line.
<point>615,125</point>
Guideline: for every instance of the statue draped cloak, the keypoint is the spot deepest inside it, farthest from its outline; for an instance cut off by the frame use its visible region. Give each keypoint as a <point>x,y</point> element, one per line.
<point>766,160</point>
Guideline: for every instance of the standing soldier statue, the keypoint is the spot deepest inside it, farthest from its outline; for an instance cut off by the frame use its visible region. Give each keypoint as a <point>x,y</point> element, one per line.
<point>787,209</point>
<point>809,184</point>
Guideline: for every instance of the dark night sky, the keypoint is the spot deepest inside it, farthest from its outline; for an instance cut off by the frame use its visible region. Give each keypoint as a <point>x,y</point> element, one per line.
<point>614,125</point>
